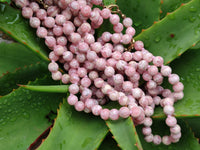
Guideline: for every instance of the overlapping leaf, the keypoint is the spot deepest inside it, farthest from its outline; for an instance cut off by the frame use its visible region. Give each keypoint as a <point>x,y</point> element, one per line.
<point>24,115</point>
<point>13,24</point>
<point>75,130</point>
<point>174,34</point>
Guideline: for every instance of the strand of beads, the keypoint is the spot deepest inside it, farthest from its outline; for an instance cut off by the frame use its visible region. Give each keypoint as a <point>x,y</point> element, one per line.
<point>102,71</point>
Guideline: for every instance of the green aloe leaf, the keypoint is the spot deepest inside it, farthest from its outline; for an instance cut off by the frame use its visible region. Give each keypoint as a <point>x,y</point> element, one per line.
<point>109,143</point>
<point>125,134</point>
<point>75,130</point>
<point>13,24</point>
<point>10,80</point>
<point>47,88</point>
<point>24,115</point>
<point>143,12</point>
<point>108,2</point>
<point>15,56</point>
<point>5,1</point>
<point>168,6</point>
<point>174,34</point>
<point>188,68</point>
<point>194,124</point>
<point>187,141</point>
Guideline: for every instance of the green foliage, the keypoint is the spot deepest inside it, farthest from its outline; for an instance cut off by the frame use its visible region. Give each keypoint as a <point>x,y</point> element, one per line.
<point>75,130</point>
<point>13,24</point>
<point>26,114</point>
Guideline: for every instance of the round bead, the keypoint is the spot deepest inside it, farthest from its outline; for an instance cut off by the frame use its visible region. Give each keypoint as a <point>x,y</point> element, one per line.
<point>72,99</point>
<point>114,114</point>
<point>105,114</point>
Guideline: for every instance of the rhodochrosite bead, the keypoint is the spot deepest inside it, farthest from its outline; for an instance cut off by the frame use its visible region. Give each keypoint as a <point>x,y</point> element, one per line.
<point>99,70</point>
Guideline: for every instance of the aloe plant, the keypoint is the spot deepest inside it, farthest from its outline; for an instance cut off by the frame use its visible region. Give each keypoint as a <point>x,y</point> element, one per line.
<point>38,116</point>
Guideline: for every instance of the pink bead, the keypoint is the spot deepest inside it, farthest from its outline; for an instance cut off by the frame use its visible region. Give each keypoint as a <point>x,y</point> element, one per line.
<point>80,58</point>
<point>74,63</point>
<point>135,77</point>
<point>118,28</point>
<point>67,56</point>
<point>34,22</point>
<point>89,65</point>
<point>65,78</point>
<point>153,70</point>
<point>89,103</point>
<point>21,3</point>
<point>158,78</point>
<point>98,82</point>
<point>94,17</point>
<point>75,38</point>
<point>96,110</point>
<point>109,71</point>
<point>53,56</point>
<point>53,67</point>
<point>106,52</point>
<point>52,11</point>
<point>166,140</point>
<point>61,40</point>
<point>114,114</point>
<point>99,94</point>
<point>148,122</point>
<point>100,64</point>
<point>176,129</point>
<point>127,86</point>
<point>96,47</point>
<point>142,65</point>
<point>93,75</point>
<point>83,47</point>
<point>178,87</point>
<point>157,100</point>
<point>168,110</point>
<point>73,88</point>
<point>173,79</point>
<point>176,136</point>
<point>96,2</point>
<point>124,112</point>
<point>136,111</point>
<point>77,22</point>
<point>123,100</point>
<point>127,22</point>
<point>137,93</point>
<point>82,72</point>
<point>127,56</point>
<point>41,32</point>
<point>119,47</point>
<point>114,19</point>
<point>178,95</point>
<point>121,65</point>
<point>56,75</point>
<point>57,30</point>
<point>79,106</point>
<point>129,71</point>
<point>138,45</point>
<point>86,93</point>
<point>60,19</point>
<point>27,12</point>
<point>168,101</point>
<point>146,76</point>
<point>118,79</point>
<point>137,56</point>
<point>151,84</point>
<point>91,55</point>
<point>105,13</point>
<point>58,50</point>
<point>86,11</point>
<point>117,55</point>
<point>143,101</point>
<point>105,114</point>
<point>34,6</point>
<point>50,41</point>
<point>67,13</point>
<point>85,27</point>
<point>74,78</point>
<point>68,28</point>
<point>106,88</point>
<point>85,82</point>
<point>166,70</point>
<point>74,6</point>
<point>49,22</point>
<point>146,130</point>
<point>157,139</point>
<point>106,36</point>
<point>147,56</point>
<point>171,121</point>
<point>116,38</point>
<point>166,93</point>
<point>158,61</point>
<point>89,38</point>
<point>130,31</point>
<point>126,39</point>
<point>41,14</point>
<point>149,138</point>
<point>72,99</point>
<point>114,95</point>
